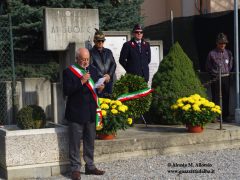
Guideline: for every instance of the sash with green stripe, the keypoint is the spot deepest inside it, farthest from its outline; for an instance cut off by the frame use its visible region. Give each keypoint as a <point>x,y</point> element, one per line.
<point>79,72</point>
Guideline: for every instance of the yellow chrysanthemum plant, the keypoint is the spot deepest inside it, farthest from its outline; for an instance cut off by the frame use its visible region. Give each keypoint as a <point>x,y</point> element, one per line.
<point>195,110</point>
<point>114,116</point>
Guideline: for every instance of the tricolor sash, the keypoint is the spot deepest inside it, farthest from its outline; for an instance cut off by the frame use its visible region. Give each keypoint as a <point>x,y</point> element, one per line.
<point>79,72</point>
<point>135,95</point>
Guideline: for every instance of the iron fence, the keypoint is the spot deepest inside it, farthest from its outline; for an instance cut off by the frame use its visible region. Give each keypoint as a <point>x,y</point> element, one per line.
<point>7,72</point>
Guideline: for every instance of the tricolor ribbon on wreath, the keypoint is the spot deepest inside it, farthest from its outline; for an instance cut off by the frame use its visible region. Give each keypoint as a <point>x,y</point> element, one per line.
<point>135,94</point>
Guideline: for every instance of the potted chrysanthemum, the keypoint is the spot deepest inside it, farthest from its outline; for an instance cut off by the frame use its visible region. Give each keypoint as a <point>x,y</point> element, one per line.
<point>114,117</point>
<point>195,111</point>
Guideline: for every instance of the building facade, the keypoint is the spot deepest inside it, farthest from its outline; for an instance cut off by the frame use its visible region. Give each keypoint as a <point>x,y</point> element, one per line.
<point>156,11</point>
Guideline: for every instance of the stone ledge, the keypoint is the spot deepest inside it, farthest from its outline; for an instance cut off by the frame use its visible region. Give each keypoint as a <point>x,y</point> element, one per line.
<point>34,171</point>
<point>33,153</point>
<point>134,142</point>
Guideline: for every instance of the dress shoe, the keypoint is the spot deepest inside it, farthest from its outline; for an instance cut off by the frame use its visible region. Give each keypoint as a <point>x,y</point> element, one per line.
<point>76,175</point>
<point>94,171</point>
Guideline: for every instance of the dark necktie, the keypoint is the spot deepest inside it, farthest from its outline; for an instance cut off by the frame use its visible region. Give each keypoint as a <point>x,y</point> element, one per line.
<point>139,46</point>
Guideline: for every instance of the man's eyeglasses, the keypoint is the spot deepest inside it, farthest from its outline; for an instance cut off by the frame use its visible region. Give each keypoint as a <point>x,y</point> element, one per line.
<point>83,59</point>
<point>100,41</point>
<point>138,32</point>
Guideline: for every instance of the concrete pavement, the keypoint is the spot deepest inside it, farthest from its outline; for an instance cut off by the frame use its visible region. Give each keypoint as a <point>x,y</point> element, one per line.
<point>162,139</point>
<point>141,141</point>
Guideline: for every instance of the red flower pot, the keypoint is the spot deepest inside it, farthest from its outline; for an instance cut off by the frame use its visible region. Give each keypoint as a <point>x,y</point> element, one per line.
<point>194,129</point>
<point>106,136</point>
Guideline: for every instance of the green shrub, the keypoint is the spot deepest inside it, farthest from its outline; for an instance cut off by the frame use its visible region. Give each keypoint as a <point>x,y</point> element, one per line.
<point>175,78</point>
<point>48,71</point>
<point>31,117</point>
<point>131,83</point>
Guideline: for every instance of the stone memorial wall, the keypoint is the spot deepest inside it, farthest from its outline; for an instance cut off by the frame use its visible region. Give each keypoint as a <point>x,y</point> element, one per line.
<point>65,25</point>
<point>156,58</point>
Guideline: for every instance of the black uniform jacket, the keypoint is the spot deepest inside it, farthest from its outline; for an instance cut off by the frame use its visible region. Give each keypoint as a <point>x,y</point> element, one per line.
<point>81,106</point>
<point>134,61</point>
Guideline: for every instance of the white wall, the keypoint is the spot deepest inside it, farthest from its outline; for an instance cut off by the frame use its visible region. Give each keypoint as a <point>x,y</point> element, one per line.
<point>37,91</point>
<point>154,11</point>
<point>222,5</point>
<point>188,7</point>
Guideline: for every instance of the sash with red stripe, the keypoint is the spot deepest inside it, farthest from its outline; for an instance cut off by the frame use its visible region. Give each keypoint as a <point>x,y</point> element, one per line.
<point>79,72</point>
<point>135,95</point>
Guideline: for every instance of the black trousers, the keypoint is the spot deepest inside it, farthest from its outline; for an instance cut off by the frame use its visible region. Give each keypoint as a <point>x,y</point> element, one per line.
<point>87,133</point>
<point>225,94</point>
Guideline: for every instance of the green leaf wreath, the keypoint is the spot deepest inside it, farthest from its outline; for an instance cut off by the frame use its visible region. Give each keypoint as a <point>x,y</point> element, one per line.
<point>130,83</point>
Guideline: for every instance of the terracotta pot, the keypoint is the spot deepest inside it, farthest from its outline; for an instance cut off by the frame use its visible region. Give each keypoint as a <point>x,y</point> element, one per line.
<point>194,129</point>
<point>106,136</point>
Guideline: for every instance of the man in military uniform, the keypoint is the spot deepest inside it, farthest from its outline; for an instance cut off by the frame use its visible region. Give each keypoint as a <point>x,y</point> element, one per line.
<point>135,55</point>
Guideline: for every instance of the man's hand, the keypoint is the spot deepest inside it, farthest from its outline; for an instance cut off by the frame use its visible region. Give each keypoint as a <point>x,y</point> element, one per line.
<point>85,78</point>
<point>100,88</point>
<point>107,77</point>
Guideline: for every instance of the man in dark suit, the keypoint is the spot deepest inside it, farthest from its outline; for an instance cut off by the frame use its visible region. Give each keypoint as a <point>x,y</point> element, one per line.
<point>81,112</point>
<point>135,55</point>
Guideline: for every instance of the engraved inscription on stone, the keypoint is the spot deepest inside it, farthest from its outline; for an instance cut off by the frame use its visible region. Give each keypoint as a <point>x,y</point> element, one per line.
<point>155,61</point>
<point>64,25</point>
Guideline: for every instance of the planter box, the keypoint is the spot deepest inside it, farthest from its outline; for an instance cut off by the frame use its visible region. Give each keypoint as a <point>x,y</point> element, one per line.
<point>33,153</point>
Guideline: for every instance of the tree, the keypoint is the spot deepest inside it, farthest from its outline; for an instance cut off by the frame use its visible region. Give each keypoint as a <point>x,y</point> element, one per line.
<point>121,16</point>
<point>26,24</point>
<point>175,78</point>
<point>3,7</point>
<point>27,16</point>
